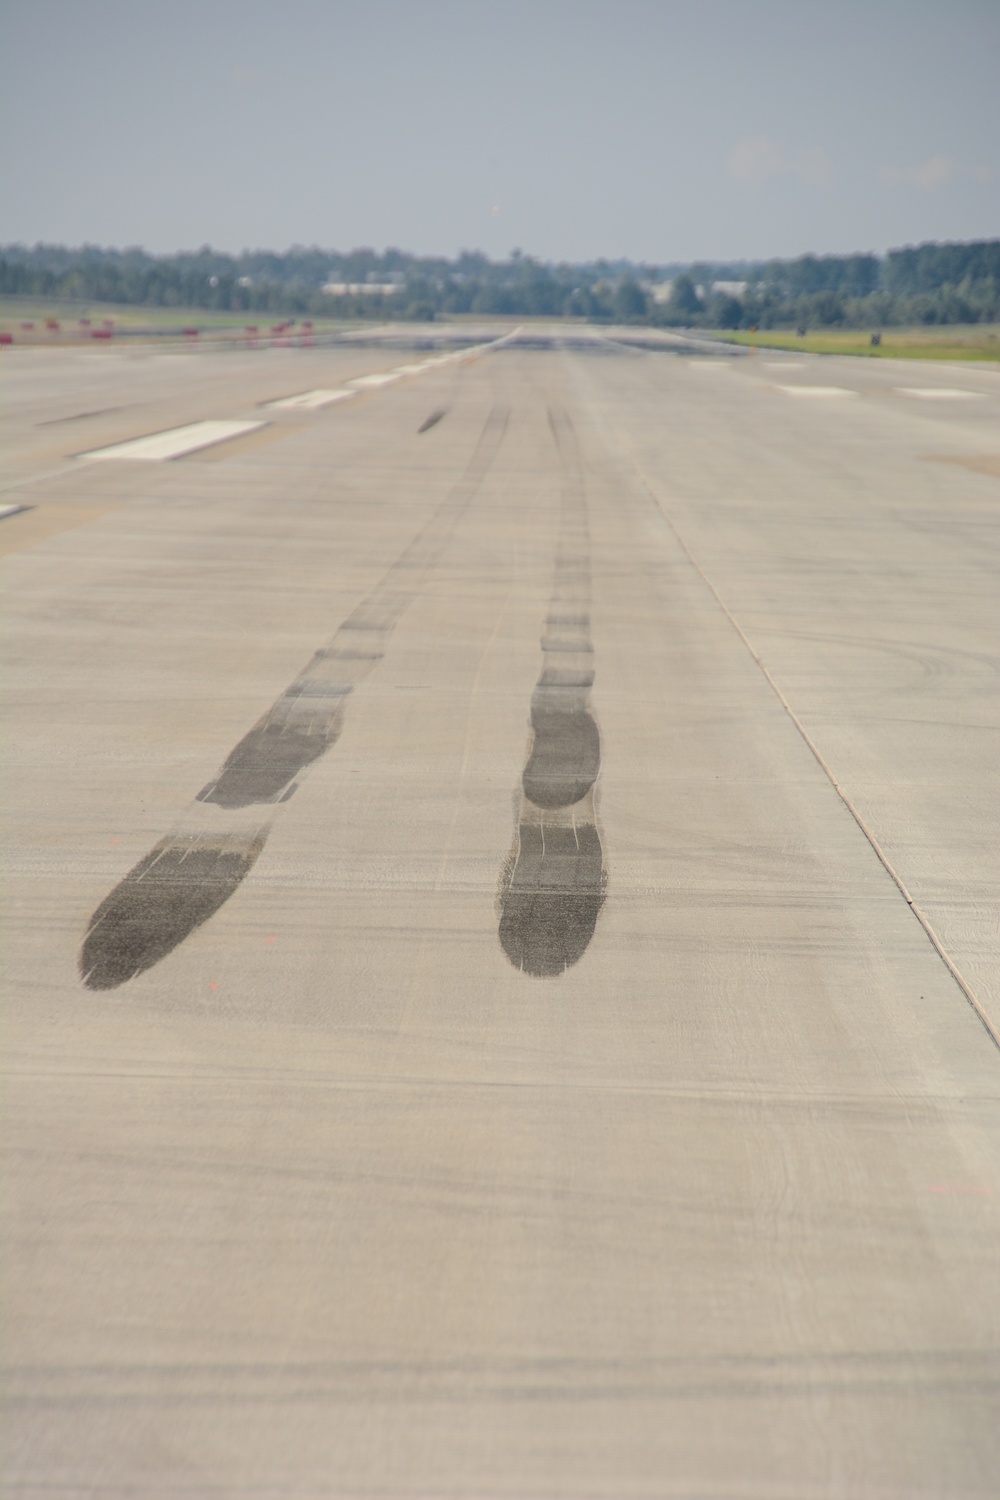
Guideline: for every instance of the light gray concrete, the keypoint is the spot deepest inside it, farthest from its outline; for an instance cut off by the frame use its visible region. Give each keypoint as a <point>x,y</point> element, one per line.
<point>334,1199</point>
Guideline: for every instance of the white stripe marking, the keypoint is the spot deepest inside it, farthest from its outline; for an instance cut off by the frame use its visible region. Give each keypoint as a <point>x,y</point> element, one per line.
<point>161,446</point>
<point>10,510</point>
<point>386,378</point>
<point>783,364</point>
<point>815,390</point>
<point>938,393</point>
<point>311,400</point>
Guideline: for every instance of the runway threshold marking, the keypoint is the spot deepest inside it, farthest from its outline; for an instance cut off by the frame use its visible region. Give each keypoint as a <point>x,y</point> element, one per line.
<point>367,382</point>
<point>160,447</point>
<point>311,400</point>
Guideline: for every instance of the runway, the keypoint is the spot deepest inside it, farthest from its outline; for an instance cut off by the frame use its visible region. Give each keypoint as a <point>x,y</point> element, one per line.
<point>502,944</point>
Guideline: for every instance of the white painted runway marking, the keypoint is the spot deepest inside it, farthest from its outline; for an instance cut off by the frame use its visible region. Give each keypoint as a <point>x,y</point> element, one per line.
<point>11,510</point>
<point>815,390</point>
<point>784,364</point>
<point>938,393</point>
<point>161,446</point>
<point>386,378</point>
<point>311,400</point>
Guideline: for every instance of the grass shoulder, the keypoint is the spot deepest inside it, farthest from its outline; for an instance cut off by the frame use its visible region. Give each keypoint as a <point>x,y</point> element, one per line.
<point>979,341</point>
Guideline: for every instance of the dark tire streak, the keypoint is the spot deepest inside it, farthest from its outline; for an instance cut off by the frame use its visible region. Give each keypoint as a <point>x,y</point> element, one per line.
<point>565,755</point>
<point>550,907</point>
<point>552,888</point>
<point>190,874</point>
<point>265,763</point>
<point>178,886</point>
<point>434,418</point>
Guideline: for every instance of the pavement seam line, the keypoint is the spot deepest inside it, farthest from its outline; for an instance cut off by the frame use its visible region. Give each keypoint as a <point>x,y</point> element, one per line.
<point>880,854</point>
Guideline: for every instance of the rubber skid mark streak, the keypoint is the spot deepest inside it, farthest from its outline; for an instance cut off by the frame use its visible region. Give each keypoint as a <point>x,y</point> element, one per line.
<point>434,418</point>
<point>191,873</point>
<point>552,886</point>
<point>181,882</point>
<point>296,731</point>
<point>551,897</point>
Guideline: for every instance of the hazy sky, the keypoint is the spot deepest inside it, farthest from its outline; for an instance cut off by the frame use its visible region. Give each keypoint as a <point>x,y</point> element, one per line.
<point>655,129</point>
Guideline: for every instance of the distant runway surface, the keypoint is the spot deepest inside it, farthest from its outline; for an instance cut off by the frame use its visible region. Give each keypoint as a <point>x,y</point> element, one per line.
<point>501,921</point>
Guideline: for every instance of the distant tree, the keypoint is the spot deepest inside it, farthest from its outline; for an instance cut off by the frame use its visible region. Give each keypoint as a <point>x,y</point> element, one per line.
<point>631,305</point>
<point>724,311</point>
<point>420,312</point>
<point>683,304</point>
<point>930,283</point>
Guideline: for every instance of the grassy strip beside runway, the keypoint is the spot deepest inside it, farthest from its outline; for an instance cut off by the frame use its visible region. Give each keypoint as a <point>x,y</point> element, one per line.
<point>969,341</point>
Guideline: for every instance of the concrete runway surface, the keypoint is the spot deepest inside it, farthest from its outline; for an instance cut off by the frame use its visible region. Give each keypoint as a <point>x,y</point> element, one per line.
<point>502,943</point>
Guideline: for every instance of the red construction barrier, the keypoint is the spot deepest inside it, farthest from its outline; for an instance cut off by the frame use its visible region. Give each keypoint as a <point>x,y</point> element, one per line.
<point>100,333</point>
<point>190,333</point>
<point>52,324</point>
<point>84,322</point>
<point>6,338</point>
<point>27,327</point>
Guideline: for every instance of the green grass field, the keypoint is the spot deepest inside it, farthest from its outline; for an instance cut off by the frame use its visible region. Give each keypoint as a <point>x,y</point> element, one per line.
<point>973,341</point>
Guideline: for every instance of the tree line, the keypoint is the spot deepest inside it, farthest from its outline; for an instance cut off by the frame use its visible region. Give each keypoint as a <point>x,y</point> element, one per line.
<point>930,283</point>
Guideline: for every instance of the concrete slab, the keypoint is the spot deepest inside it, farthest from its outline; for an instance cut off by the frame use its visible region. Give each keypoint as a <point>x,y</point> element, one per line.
<point>333,1195</point>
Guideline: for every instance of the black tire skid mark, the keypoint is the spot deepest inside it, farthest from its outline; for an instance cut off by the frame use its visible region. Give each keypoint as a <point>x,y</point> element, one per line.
<point>190,874</point>
<point>80,416</point>
<point>552,897</point>
<point>180,883</point>
<point>553,883</point>
<point>435,417</point>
